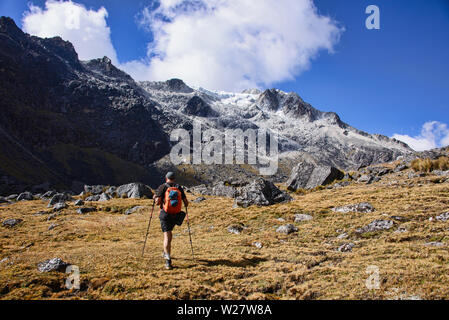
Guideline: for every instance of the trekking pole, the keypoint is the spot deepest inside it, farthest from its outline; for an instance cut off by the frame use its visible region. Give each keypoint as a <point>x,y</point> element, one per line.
<point>190,236</point>
<point>148,229</point>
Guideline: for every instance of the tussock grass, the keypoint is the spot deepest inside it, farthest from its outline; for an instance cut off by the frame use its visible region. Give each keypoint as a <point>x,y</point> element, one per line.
<point>428,165</point>
<point>106,246</point>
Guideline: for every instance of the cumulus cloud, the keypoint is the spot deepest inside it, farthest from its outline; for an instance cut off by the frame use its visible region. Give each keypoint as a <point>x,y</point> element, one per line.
<point>433,134</point>
<point>217,44</point>
<point>86,29</point>
<point>234,44</point>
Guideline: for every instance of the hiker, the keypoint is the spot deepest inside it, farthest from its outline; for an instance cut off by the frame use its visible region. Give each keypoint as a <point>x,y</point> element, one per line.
<point>168,196</point>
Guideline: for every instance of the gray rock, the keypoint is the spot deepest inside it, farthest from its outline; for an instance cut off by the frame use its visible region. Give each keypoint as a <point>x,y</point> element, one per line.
<point>347,247</point>
<point>261,193</point>
<point>281,219</point>
<point>93,198</point>
<point>400,168</point>
<point>376,225</point>
<point>443,216</point>
<point>11,222</point>
<point>258,245</point>
<point>85,210</point>
<point>135,191</point>
<point>111,191</point>
<point>94,190</point>
<point>220,189</point>
<point>79,203</point>
<point>48,195</point>
<point>105,197</point>
<point>3,200</point>
<point>435,244</point>
<point>235,229</point>
<point>287,229</point>
<point>12,197</point>
<point>60,206</point>
<point>363,207</point>
<point>27,196</point>
<point>59,197</point>
<point>199,199</point>
<point>343,235</point>
<point>132,210</point>
<point>399,218</point>
<point>441,173</point>
<point>55,264</point>
<point>52,226</point>
<point>302,217</point>
<point>306,175</point>
<point>52,216</point>
<point>368,179</point>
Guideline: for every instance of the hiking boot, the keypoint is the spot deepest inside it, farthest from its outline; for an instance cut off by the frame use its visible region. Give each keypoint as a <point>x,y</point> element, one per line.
<point>168,265</point>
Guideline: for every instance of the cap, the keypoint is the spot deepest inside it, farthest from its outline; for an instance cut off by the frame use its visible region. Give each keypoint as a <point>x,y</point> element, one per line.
<point>170,176</point>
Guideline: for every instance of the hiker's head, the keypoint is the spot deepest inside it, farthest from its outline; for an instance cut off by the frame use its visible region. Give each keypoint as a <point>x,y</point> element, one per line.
<point>170,177</point>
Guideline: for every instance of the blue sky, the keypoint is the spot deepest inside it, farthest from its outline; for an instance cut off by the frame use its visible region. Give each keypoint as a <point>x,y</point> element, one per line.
<point>388,81</point>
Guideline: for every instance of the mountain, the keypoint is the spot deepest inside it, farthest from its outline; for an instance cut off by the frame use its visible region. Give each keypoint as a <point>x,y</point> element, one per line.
<point>66,122</point>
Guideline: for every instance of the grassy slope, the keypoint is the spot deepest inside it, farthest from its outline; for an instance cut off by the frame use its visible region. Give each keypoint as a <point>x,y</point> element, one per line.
<point>106,246</point>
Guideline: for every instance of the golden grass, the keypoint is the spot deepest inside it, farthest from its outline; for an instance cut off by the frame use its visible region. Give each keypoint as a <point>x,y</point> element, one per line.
<point>428,165</point>
<point>106,246</point>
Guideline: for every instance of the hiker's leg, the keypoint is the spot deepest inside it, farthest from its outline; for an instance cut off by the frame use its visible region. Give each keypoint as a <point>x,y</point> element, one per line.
<point>168,236</point>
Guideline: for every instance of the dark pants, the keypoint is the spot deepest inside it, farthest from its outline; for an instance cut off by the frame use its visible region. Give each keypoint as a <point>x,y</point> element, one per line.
<point>168,221</point>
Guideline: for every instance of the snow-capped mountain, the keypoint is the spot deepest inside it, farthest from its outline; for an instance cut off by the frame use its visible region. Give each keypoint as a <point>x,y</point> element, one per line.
<point>302,129</point>
<point>66,122</point>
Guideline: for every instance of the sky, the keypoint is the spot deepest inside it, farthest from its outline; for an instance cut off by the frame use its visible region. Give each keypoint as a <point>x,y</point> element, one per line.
<point>393,80</point>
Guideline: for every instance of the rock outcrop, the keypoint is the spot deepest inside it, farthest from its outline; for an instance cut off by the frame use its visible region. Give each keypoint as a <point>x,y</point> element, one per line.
<point>307,175</point>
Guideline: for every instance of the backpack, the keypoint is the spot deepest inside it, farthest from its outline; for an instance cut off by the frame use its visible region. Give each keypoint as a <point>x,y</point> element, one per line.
<point>172,200</point>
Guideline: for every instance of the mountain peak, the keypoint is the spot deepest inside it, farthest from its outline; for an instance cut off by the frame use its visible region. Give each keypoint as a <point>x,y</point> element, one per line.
<point>7,25</point>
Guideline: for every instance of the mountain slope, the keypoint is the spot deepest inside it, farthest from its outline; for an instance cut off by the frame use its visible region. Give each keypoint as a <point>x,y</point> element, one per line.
<point>68,122</point>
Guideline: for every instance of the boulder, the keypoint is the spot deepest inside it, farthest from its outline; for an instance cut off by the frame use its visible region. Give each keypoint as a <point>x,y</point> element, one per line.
<point>12,197</point>
<point>59,206</point>
<point>48,195</point>
<point>79,203</point>
<point>11,222</point>
<point>368,179</point>
<point>93,198</point>
<point>105,197</point>
<point>347,247</point>
<point>376,225</point>
<point>135,191</point>
<point>261,193</point>
<point>306,175</point>
<point>363,207</point>
<point>302,217</point>
<point>98,189</point>
<point>59,197</point>
<point>400,168</point>
<point>85,210</point>
<point>235,228</point>
<point>3,200</point>
<point>287,229</point>
<point>27,196</point>
<point>132,210</point>
<point>443,216</point>
<point>55,264</point>
<point>199,199</point>
<point>111,191</point>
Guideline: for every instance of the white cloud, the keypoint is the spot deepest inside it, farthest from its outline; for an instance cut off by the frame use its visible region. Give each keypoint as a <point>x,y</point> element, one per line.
<point>86,29</point>
<point>217,44</point>
<point>234,44</point>
<point>433,134</point>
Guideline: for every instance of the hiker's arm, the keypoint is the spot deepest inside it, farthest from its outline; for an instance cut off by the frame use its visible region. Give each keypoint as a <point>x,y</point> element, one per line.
<point>186,202</point>
<point>157,200</point>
